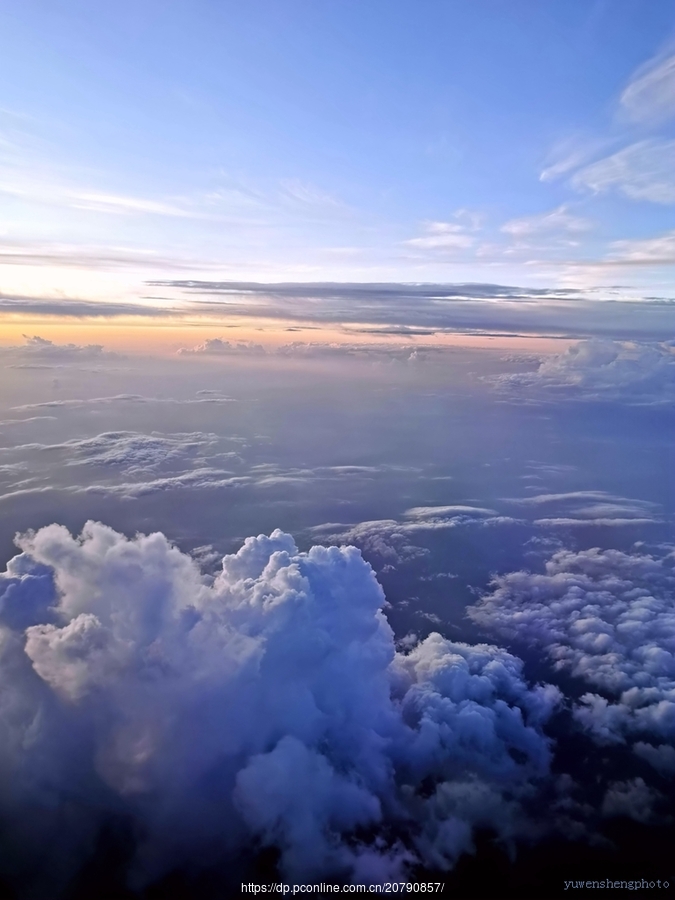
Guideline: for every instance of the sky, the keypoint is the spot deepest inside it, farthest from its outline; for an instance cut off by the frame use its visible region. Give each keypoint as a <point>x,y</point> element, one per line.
<point>337,430</point>
<point>483,142</point>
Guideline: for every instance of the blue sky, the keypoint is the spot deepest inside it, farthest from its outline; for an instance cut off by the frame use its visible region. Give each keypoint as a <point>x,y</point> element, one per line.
<point>516,143</point>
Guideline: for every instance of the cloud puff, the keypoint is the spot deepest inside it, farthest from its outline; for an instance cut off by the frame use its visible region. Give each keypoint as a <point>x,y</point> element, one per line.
<point>607,370</point>
<point>607,618</point>
<point>265,704</point>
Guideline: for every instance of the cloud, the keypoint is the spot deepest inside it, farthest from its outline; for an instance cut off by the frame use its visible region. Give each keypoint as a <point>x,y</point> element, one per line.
<point>633,799</point>
<point>390,541</point>
<point>584,508</point>
<point>73,197</point>
<point>399,309</point>
<point>644,252</point>
<point>138,464</point>
<point>130,451</point>
<point>266,704</point>
<point>601,370</point>
<point>435,513</point>
<point>91,256</point>
<point>39,348</point>
<point>76,402</point>
<point>442,236</point>
<point>204,479</point>
<point>219,347</point>
<point>449,236</point>
<point>571,154</point>
<point>607,618</point>
<point>308,197</point>
<point>558,220</point>
<point>649,96</point>
<point>199,478</point>
<point>641,171</point>
<point>662,758</point>
<point>138,452</point>
<point>452,308</point>
<point>74,308</point>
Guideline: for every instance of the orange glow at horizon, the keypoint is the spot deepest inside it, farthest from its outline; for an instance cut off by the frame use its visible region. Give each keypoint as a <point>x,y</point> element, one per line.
<point>166,335</point>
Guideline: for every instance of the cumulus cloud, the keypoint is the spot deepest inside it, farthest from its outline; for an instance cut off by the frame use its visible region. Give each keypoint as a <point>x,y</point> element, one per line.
<point>219,347</point>
<point>40,349</point>
<point>607,618</point>
<point>608,370</point>
<point>267,703</point>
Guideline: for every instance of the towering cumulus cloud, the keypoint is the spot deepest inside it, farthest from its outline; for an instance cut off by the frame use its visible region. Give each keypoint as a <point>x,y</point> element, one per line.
<point>264,707</point>
<point>606,617</point>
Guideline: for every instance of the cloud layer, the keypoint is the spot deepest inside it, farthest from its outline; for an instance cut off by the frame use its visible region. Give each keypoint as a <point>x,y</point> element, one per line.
<point>607,618</point>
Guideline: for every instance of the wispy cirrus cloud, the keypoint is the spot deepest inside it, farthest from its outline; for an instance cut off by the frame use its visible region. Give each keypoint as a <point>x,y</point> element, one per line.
<point>649,96</point>
<point>308,196</point>
<point>448,236</point>
<point>80,255</point>
<point>570,154</point>
<point>646,251</point>
<point>557,220</point>
<point>52,193</point>
<point>641,171</point>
